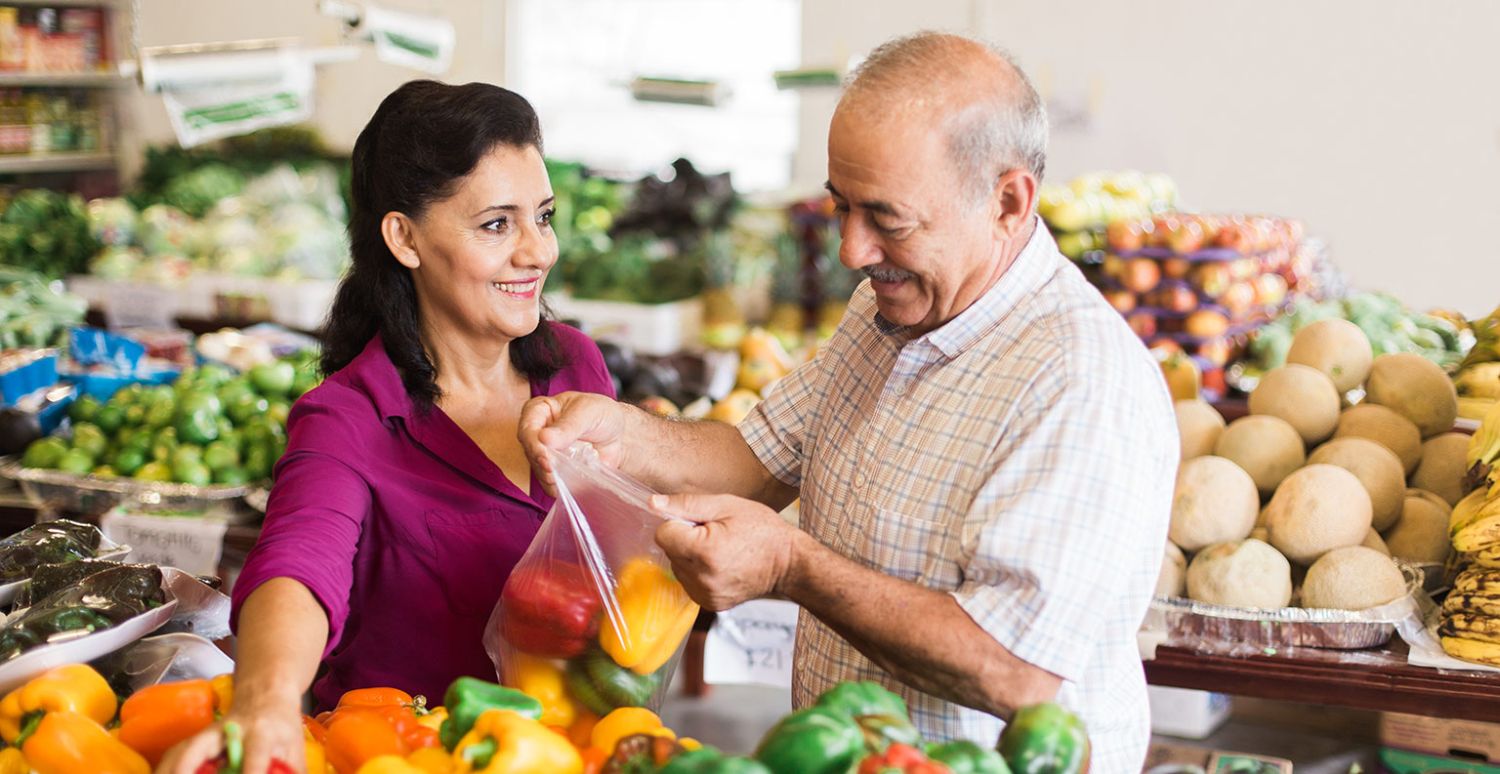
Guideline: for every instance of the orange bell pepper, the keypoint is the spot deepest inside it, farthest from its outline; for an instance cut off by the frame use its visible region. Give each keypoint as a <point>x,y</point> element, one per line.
<point>315,729</point>
<point>656,615</point>
<point>593,760</point>
<point>69,743</point>
<point>157,717</point>
<point>355,735</point>
<point>581,730</point>
<point>70,688</point>
<point>13,762</point>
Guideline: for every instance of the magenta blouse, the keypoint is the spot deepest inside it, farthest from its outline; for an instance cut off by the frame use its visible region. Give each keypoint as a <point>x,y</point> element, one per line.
<point>400,526</point>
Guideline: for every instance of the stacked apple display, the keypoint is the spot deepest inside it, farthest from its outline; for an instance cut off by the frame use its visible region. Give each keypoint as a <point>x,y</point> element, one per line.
<point>1078,213</point>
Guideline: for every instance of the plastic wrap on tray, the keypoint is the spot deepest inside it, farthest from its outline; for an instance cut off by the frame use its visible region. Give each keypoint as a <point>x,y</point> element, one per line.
<point>53,542</point>
<point>592,606</point>
<point>1247,631</point>
<point>96,601</point>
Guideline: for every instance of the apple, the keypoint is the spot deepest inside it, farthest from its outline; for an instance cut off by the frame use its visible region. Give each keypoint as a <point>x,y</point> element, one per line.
<point>1143,323</point>
<point>1141,275</point>
<point>1177,297</point>
<point>1238,298</point>
<point>1176,268</point>
<point>1207,324</point>
<point>1125,236</point>
<point>1270,290</point>
<point>1123,301</point>
<point>1212,279</point>
<point>1188,238</point>
<point>1069,215</point>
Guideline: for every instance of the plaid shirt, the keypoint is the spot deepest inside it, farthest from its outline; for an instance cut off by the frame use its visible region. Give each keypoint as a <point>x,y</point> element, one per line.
<point>1020,457</point>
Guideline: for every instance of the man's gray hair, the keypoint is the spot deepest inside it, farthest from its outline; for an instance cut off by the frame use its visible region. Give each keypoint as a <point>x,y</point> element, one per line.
<point>1002,130</point>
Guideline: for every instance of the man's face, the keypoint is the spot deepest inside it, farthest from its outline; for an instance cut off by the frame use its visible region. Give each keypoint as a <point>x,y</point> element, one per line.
<point>907,220</point>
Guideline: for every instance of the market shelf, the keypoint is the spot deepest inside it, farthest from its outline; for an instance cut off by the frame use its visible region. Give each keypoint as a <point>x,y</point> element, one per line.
<point>56,162</point>
<point>65,3</point>
<point>1377,679</point>
<point>94,80</point>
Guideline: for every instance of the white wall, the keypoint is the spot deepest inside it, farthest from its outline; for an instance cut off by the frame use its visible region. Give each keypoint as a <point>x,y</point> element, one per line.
<point>1376,122</point>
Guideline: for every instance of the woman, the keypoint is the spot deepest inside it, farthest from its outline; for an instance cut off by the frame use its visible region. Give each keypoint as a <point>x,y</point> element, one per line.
<point>404,499</point>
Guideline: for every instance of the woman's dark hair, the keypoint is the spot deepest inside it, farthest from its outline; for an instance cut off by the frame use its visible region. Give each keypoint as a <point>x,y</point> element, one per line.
<point>421,141</point>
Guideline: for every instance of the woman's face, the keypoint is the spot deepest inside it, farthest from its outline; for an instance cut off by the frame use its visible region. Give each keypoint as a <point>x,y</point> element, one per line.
<point>483,253</point>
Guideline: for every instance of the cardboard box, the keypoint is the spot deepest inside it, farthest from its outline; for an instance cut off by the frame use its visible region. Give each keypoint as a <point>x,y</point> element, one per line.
<point>1415,743</point>
<point>1168,758</point>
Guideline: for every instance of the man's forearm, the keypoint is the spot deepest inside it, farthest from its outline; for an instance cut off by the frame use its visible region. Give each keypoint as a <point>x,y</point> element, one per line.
<point>920,636</point>
<point>672,455</point>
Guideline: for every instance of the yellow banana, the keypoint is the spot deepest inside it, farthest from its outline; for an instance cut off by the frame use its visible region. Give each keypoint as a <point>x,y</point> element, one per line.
<point>1477,651</point>
<point>1475,408</point>
<point>1487,557</point>
<point>1466,510</point>
<point>1484,447</point>
<point>1479,381</point>
<point>1479,581</point>
<point>1482,533</point>
<point>1471,627</point>
<point>1472,604</point>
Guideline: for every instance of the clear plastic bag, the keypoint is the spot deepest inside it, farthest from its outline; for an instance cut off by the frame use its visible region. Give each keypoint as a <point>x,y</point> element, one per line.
<point>591,618</point>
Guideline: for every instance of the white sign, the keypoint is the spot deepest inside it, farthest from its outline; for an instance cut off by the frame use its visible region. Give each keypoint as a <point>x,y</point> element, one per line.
<point>410,40</point>
<point>215,95</point>
<point>752,644</point>
<point>191,544</point>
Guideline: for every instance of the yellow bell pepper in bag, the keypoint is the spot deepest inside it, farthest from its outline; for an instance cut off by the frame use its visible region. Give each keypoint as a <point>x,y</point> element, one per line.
<point>657,615</point>
<point>543,680</point>
<point>504,742</point>
<point>70,688</point>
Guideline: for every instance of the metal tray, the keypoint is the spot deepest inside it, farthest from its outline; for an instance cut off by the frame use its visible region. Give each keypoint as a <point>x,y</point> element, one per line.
<point>1189,624</point>
<point>92,496</point>
<point>258,498</point>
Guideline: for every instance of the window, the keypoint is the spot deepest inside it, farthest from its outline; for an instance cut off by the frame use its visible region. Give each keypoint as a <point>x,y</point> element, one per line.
<point>574,59</point>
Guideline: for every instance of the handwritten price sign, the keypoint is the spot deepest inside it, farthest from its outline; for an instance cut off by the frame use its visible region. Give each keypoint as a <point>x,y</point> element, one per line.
<point>752,644</point>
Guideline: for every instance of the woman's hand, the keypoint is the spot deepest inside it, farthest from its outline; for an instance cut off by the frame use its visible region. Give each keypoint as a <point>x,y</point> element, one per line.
<point>553,423</point>
<point>271,728</point>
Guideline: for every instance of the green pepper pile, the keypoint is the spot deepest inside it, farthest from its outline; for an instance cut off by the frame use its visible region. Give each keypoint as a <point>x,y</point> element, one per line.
<point>210,427</point>
<point>114,594</point>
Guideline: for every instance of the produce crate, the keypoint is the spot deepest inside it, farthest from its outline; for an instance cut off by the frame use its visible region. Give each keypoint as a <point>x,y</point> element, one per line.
<point>23,372</point>
<point>650,329</point>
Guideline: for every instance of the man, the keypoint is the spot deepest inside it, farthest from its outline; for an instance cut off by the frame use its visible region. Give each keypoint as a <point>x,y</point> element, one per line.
<point>985,453</point>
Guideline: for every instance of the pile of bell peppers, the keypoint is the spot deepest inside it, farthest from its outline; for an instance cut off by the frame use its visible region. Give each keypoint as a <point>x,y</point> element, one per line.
<point>580,656</point>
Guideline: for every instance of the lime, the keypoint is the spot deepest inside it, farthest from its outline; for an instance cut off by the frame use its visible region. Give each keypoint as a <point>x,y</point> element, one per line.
<point>246,407</point>
<point>154,471</point>
<point>163,444</point>
<point>129,460</point>
<point>221,456</point>
<point>44,453</point>
<point>195,473</point>
<point>187,454</point>
<point>89,439</point>
<point>135,415</point>
<point>110,419</point>
<point>105,471</point>
<point>128,395</point>
<point>231,477</point>
<point>76,461</point>
<point>159,414</point>
<point>84,409</point>
<point>213,376</point>
<point>274,380</point>
<point>279,411</point>
<point>258,462</point>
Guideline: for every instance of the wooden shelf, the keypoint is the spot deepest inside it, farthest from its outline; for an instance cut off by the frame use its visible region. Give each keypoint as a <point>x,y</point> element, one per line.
<point>85,80</point>
<point>1377,679</point>
<point>56,162</point>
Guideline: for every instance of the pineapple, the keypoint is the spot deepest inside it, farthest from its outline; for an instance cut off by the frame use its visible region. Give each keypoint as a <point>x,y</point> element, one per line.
<point>723,321</point>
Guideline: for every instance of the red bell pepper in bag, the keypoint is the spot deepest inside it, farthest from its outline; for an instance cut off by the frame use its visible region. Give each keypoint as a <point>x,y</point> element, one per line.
<point>550,609</point>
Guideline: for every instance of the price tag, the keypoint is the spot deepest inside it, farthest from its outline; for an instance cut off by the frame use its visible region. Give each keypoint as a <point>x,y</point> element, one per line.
<point>752,644</point>
<point>193,545</point>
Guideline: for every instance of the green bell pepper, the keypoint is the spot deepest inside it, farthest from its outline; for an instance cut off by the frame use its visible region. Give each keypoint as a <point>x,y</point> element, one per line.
<point>881,714</point>
<point>965,757</point>
<point>1045,739</point>
<point>468,698</point>
<point>816,740</point>
<point>602,686</point>
<point>711,761</point>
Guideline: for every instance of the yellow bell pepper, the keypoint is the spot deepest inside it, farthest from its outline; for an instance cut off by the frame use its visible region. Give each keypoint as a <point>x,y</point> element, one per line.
<point>690,744</point>
<point>434,718</point>
<point>312,753</point>
<point>70,688</point>
<point>627,721</point>
<point>657,615</point>
<point>69,743</point>
<point>543,680</point>
<point>504,742</point>
<point>389,764</point>
<point>13,762</point>
<point>431,760</point>
<point>223,686</point>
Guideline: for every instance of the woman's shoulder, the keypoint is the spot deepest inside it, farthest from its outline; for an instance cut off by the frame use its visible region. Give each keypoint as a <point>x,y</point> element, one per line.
<point>584,369</point>
<point>335,413</point>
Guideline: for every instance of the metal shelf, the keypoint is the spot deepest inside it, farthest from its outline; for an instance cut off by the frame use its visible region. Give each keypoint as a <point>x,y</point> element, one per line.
<point>77,80</point>
<point>56,162</point>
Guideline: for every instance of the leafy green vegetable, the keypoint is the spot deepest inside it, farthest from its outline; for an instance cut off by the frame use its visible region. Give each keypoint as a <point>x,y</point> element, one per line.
<point>46,232</point>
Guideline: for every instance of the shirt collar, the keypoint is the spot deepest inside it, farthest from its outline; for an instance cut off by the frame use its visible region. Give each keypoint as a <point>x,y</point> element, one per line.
<point>373,373</point>
<point>1027,272</point>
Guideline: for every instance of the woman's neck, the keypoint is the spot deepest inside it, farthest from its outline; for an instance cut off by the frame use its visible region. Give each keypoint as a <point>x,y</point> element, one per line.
<point>466,364</point>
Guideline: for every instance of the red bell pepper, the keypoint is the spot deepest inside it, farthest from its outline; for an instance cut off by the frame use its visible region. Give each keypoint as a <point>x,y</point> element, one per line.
<point>550,609</point>
<point>231,760</point>
<point>901,759</point>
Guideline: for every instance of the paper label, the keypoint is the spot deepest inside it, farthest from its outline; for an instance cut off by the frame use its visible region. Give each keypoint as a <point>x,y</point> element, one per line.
<point>752,644</point>
<point>193,545</point>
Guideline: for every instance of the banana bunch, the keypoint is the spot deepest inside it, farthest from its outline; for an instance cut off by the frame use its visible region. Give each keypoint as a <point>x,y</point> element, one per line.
<point>1486,347</point>
<point>1478,389</point>
<point>1470,624</point>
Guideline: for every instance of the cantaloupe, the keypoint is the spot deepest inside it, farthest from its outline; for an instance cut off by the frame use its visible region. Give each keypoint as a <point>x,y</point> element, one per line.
<point>1245,573</point>
<point>1268,448</point>
<point>1443,466</point>
<point>1376,467</point>
<point>1384,426</point>
<point>1375,541</point>
<point>1415,388</point>
<point>1353,578</point>
<point>1305,397</point>
<point>1316,510</point>
<point>1198,427</point>
<point>1422,533</point>
<point>1172,582</point>
<point>1336,347</point>
<point>1215,501</point>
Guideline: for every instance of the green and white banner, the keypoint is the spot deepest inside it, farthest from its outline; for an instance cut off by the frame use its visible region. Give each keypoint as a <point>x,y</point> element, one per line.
<point>410,40</point>
<point>210,96</point>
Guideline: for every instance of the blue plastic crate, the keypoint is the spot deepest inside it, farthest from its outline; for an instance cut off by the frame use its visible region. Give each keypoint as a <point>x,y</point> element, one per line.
<point>32,375</point>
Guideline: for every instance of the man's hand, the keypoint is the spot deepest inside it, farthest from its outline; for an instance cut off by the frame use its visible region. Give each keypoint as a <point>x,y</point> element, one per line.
<point>733,550</point>
<point>555,422</point>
